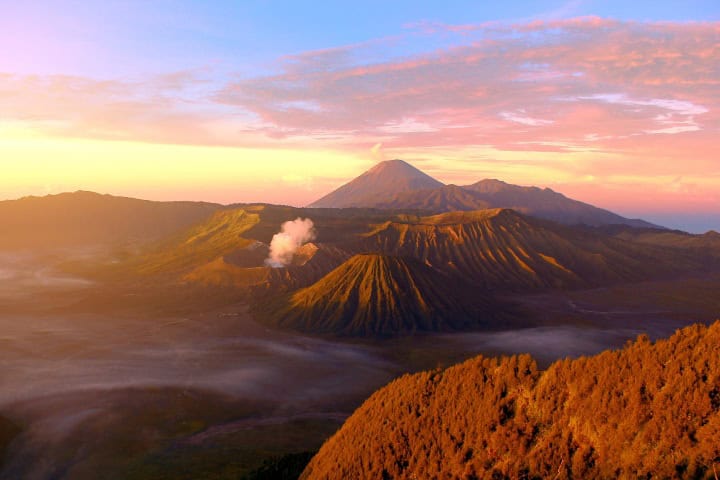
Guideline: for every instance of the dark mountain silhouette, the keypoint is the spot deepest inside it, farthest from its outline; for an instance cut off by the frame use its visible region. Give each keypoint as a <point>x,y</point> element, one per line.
<point>8,432</point>
<point>383,180</point>
<point>648,411</point>
<point>86,218</point>
<point>378,295</point>
<point>398,185</point>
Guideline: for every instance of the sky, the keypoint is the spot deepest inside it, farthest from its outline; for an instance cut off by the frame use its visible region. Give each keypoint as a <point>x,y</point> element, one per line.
<point>615,103</point>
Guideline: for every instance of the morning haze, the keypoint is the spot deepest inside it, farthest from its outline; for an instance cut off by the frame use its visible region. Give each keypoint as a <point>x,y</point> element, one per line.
<point>272,240</point>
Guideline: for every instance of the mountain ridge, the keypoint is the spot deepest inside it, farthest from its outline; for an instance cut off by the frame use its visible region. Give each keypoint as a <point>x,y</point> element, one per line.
<point>368,190</point>
<point>84,218</point>
<point>501,248</point>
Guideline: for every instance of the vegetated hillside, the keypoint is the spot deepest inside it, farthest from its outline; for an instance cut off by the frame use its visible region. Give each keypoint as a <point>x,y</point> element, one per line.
<point>501,248</point>
<point>87,219</point>
<point>383,180</point>
<point>647,411</point>
<point>378,295</point>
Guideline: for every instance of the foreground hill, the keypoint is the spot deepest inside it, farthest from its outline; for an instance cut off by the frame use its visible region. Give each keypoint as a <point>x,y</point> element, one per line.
<point>86,219</point>
<point>383,180</point>
<point>398,185</point>
<point>501,248</point>
<point>648,411</point>
<point>378,295</point>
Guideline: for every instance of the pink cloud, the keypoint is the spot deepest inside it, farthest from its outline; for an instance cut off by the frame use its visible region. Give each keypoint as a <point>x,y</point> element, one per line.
<point>567,65</point>
<point>647,94</point>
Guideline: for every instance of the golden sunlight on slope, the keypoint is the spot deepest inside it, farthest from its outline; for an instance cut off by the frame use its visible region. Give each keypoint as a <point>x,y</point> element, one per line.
<point>648,411</point>
<point>379,295</point>
<point>501,248</point>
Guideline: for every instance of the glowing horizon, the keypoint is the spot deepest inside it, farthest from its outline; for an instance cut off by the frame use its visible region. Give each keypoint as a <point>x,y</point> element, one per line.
<point>608,105</point>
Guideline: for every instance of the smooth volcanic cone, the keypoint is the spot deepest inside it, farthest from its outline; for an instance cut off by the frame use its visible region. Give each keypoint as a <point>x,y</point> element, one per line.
<point>384,180</point>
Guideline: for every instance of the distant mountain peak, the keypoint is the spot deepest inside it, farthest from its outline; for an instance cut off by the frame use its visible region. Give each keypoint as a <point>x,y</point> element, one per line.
<point>396,164</point>
<point>398,185</point>
<point>385,179</point>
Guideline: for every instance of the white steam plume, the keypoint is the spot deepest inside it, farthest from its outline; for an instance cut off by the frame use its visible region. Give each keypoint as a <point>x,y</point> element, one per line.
<point>293,234</point>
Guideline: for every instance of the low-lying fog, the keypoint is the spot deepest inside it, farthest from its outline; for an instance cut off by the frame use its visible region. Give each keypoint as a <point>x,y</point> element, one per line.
<point>58,371</point>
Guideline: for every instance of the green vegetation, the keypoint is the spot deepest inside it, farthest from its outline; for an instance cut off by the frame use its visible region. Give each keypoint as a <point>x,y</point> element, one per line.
<point>647,411</point>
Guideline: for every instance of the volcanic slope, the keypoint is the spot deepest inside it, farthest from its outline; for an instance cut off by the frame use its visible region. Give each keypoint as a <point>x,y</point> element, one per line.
<point>378,295</point>
<point>648,411</point>
<point>448,198</point>
<point>382,181</point>
<point>501,248</point>
<point>398,185</point>
<point>220,235</point>
<point>245,268</point>
<point>536,202</point>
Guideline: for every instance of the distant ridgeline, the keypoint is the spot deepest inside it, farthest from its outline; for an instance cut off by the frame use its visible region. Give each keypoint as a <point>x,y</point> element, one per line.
<point>647,411</point>
<point>395,184</point>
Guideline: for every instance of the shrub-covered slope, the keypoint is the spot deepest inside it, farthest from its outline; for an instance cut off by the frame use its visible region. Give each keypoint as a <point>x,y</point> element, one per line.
<point>647,411</point>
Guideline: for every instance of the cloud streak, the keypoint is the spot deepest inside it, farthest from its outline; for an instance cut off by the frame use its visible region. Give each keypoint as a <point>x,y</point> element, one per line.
<point>621,79</point>
<point>662,78</point>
